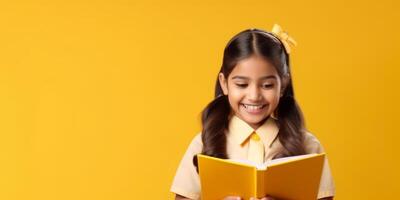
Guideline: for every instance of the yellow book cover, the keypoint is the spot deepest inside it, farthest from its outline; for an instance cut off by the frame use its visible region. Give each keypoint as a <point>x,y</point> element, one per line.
<point>295,177</point>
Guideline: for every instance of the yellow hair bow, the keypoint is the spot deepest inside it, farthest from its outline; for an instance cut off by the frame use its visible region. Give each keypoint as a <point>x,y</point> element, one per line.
<point>284,37</point>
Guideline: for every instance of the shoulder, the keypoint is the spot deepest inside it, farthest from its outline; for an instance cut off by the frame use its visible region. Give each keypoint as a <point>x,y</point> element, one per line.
<point>196,144</point>
<point>312,144</point>
<point>186,181</point>
<point>197,139</point>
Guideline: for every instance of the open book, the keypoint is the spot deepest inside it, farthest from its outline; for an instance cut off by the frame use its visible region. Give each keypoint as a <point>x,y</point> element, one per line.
<point>295,177</point>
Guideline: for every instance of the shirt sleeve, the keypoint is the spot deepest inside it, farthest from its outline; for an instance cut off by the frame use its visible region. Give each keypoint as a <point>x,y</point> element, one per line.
<point>186,181</point>
<point>327,186</point>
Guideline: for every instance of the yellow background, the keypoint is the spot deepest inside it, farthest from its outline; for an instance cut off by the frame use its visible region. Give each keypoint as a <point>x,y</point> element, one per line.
<point>99,99</point>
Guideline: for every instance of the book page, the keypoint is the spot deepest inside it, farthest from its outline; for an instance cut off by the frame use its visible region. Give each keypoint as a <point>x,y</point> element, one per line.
<point>248,162</point>
<point>286,159</point>
<point>264,166</point>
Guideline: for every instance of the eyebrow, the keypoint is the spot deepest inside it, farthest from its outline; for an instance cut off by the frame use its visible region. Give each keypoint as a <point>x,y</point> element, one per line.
<point>262,78</point>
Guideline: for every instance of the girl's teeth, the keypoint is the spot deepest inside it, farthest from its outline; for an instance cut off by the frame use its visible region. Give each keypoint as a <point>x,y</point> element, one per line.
<point>251,107</point>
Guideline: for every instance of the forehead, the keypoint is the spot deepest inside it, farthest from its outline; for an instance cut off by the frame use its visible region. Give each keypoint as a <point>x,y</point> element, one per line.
<point>254,67</point>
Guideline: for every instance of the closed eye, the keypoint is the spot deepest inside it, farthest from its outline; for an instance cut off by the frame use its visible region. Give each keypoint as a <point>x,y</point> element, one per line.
<point>268,86</point>
<point>242,85</point>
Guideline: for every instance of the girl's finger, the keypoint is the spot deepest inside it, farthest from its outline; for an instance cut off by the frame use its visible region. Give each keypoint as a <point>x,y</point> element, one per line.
<point>232,198</point>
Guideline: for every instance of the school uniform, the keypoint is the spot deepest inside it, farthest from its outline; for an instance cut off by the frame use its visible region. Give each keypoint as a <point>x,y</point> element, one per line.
<point>187,182</point>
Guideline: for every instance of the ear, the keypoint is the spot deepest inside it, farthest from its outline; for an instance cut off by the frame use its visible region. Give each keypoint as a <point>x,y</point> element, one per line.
<point>223,83</point>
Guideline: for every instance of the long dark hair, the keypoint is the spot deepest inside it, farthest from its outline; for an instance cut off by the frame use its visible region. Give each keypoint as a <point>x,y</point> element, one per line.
<point>215,116</point>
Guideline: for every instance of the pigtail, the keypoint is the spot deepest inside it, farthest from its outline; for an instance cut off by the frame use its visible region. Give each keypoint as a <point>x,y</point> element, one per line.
<point>214,119</point>
<point>291,126</point>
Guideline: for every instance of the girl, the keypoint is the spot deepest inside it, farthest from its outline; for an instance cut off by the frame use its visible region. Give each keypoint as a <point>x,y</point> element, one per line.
<point>254,114</point>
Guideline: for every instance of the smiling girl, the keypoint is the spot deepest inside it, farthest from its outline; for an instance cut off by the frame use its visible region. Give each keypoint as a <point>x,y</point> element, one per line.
<point>254,114</point>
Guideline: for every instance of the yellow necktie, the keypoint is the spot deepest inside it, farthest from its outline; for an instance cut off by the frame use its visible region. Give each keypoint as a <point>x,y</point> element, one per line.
<point>256,149</point>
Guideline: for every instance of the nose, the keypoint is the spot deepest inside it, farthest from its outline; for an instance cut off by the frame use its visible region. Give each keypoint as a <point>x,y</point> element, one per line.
<point>254,94</point>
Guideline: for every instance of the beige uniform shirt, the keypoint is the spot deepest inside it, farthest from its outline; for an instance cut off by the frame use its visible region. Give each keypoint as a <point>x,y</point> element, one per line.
<point>187,183</point>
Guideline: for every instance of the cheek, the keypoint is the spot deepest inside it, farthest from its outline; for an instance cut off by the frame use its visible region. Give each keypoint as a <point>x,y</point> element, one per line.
<point>273,100</point>
<point>235,99</point>
<point>272,96</point>
<point>235,95</point>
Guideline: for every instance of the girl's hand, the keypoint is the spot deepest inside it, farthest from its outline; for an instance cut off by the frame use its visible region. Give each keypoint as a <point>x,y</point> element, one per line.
<point>252,198</point>
<point>264,198</point>
<point>232,198</point>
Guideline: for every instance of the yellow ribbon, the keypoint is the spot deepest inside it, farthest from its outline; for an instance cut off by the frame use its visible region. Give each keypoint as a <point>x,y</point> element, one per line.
<point>284,37</point>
